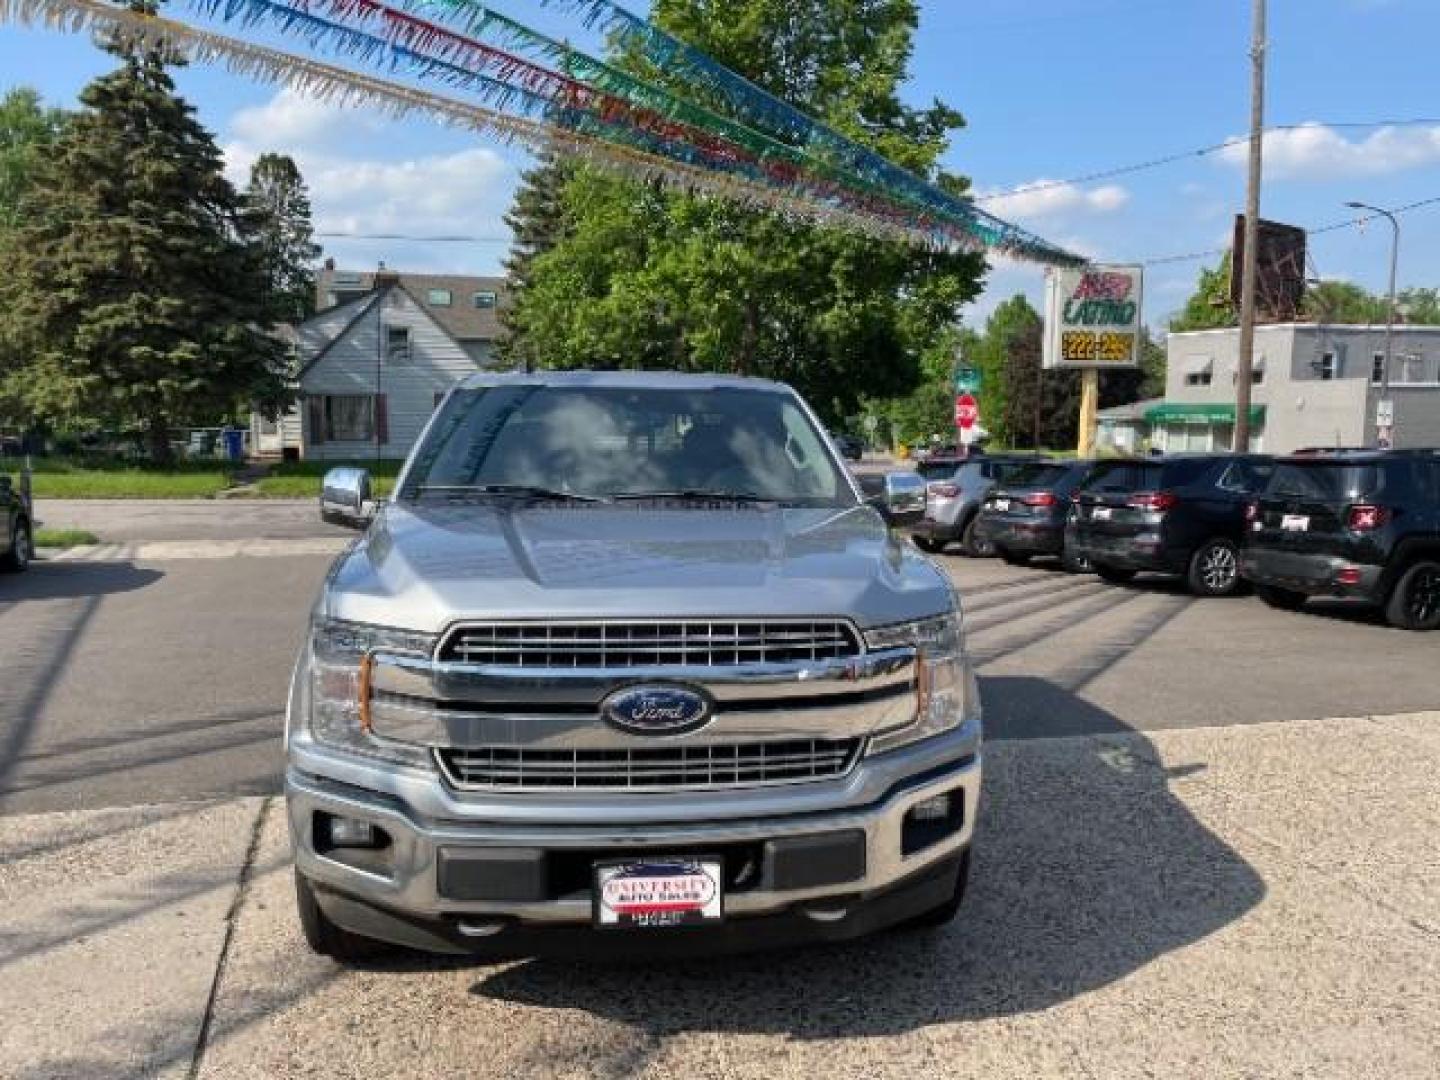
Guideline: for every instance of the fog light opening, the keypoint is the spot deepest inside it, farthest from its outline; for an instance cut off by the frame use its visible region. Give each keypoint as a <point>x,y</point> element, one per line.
<point>337,831</point>
<point>931,820</point>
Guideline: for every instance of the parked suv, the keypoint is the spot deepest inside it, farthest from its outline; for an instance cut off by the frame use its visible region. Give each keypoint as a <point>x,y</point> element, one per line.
<point>955,489</point>
<point>17,537</point>
<point>1179,515</point>
<point>1025,516</point>
<point>1360,525</point>
<point>626,652</point>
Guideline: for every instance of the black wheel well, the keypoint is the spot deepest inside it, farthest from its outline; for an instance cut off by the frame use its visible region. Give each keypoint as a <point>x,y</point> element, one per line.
<point>1407,553</point>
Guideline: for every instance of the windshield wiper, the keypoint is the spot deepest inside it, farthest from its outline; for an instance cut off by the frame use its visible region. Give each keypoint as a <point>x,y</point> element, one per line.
<point>693,494</point>
<point>523,491</point>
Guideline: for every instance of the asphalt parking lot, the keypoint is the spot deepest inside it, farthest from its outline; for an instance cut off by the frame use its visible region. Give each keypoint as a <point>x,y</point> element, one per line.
<point>1207,849</point>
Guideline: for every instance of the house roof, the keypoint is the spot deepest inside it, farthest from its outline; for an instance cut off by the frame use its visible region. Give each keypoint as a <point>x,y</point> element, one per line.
<point>461,318</point>
<point>361,306</point>
<point>1136,410</point>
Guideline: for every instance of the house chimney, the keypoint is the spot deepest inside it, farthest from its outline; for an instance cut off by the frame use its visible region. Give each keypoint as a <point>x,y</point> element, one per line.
<point>330,263</point>
<point>385,277</point>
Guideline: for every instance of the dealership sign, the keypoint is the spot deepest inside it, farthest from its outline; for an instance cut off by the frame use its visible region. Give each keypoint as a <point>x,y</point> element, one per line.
<point>1092,317</point>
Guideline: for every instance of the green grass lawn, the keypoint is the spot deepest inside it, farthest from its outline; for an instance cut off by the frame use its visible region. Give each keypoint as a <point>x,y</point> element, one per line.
<point>60,478</point>
<point>301,479</point>
<point>64,538</point>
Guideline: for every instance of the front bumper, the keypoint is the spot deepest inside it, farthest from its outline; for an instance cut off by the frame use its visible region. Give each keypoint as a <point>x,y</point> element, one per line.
<point>403,896</point>
<point>1312,574</point>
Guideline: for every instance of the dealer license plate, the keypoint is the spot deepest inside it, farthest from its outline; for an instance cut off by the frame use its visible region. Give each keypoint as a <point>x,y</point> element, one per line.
<point>1295,523</point>
<point>1102,513</point>
<point>658,893</point>
<point>1001,505</point>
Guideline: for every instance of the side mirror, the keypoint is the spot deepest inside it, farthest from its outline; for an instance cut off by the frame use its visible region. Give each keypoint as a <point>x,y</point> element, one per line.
<point>345,498</point>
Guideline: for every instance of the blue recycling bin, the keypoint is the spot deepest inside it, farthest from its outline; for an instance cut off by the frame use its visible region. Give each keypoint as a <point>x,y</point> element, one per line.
<point>234,444</point>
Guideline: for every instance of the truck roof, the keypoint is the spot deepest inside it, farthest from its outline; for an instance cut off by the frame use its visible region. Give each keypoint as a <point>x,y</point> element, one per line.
<point>655,380</point>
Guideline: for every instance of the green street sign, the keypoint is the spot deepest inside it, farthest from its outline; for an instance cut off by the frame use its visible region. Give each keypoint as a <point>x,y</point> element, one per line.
<point>967,380</point>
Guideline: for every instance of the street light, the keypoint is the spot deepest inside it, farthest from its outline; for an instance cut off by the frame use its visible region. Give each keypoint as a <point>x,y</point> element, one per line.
<point>1390,307</point>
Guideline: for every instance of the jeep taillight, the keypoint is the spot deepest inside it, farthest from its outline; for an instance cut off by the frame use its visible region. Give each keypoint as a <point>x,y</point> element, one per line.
<point>1252,511</point>
<point>1040,498</point>
<point>945,491</point>
<point>1159,501</point>
<point>1365,517</point>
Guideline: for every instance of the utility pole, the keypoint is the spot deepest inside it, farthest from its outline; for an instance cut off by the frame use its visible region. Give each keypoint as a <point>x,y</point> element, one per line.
<point>1250,263</point>
<point>1386,438</point>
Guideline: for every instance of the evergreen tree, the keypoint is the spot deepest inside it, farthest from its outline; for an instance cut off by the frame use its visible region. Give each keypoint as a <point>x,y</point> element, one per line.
<point>642,278</point>
<point>278,220</point>
<point>131,285</point>
<point>537,220</point>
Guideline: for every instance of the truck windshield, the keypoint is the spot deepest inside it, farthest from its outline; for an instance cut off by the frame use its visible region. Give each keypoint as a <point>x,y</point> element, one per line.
<point>603,443</point>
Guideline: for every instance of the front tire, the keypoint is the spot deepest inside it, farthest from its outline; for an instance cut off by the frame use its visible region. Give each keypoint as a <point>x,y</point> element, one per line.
<point>930,547</point>
<point>1415,601</point>
<point>943,914</point>
<point>17,559</point>
<point>323,936</point>
<point>1215,569</point>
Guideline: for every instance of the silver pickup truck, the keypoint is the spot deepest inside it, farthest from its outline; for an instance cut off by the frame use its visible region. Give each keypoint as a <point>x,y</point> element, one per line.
<point>626,653</point>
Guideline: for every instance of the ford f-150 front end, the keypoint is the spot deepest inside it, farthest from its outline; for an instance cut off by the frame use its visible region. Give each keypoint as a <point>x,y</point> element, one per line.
<point>627,652</point>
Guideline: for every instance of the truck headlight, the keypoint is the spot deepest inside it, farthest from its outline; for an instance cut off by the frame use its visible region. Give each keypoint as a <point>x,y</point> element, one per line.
<point>947,694</point>
<point>342,659</point>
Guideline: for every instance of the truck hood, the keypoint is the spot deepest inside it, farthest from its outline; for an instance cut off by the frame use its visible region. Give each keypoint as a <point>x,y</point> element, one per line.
<point>422,567</point>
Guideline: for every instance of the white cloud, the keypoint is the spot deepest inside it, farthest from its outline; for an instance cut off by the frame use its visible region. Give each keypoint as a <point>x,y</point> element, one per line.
<point>1047,198</point>
<point>1317,152</point>
<point>354,188</point>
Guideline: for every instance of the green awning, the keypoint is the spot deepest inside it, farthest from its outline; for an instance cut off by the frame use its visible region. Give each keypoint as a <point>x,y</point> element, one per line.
<point>1179,412</point>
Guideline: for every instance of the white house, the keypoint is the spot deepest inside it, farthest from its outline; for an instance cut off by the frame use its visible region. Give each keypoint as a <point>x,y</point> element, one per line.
<point>371,371</point>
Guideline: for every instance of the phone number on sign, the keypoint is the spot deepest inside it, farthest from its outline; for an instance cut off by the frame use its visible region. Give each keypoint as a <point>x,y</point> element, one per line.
<point>1097,348</point>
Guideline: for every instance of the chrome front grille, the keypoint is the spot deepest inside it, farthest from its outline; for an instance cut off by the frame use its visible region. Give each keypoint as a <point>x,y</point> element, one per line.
<point>620,645</point>
<point>669,768</point>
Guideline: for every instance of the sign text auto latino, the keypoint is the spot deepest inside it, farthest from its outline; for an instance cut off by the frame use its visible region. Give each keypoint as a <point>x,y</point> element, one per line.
<point>1093,317</point>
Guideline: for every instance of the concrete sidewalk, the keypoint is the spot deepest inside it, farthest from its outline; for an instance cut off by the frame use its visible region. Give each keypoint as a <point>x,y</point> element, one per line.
<point>1246,901</point>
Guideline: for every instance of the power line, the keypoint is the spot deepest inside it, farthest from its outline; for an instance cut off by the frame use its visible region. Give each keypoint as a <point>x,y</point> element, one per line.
<point>1334,226</point>
<point>1198,152</point>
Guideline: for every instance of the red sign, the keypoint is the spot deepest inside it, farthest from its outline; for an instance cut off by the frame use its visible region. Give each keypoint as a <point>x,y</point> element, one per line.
<point>967,412</point>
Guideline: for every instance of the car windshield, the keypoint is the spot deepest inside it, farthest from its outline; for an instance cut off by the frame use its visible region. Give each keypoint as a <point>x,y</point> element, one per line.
<point>1124,476</point>
<point>604,442</point>
<point>1323,481</point>
<point>1036,474</point>
<point>937,470</point>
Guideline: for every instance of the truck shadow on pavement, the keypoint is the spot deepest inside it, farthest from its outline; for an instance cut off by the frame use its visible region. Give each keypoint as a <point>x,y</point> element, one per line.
<point>75,580</point>
<point>1088,867</point>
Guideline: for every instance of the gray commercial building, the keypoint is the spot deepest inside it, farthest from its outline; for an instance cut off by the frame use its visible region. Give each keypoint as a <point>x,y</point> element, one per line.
<point>1314,385</point>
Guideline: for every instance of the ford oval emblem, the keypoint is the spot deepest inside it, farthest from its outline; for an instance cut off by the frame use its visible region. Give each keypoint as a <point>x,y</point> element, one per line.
<point>657,710</point>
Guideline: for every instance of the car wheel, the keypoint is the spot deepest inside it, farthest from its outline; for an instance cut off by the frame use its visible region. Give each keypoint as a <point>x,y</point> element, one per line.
<point>930,547</point>
<point>323,936</point>
<point>18,558</point>
<point>1215,569</point>
<point>1282,599</point>
<point>1415,600</point>
<point>1015,558</point>
<point>942,914</point>
<point>1074,563</point>
<point>975,545</point>
<point>1115,575</point>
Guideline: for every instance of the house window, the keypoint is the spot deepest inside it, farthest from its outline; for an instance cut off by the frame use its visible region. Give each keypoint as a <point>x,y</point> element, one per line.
<point>485,300</point>
<point>1328,369</point>
<point>1257,373</point>
<point>348,418</point>
<point>397,344</point>
<point>1200,372</point>
<point>440,297</point>
<point>1377,369</point>
<point>1414,370</point>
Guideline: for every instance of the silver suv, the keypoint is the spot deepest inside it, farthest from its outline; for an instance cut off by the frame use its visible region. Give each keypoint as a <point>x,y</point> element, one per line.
<point>955,490</point>
<point>626,652</point>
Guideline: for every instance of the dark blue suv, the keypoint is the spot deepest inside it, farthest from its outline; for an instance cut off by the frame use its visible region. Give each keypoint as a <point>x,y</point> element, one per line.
<point>1180,515</point>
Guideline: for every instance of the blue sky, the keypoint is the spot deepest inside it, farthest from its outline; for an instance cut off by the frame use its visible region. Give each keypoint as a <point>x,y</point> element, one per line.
<point>1052,89</point>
